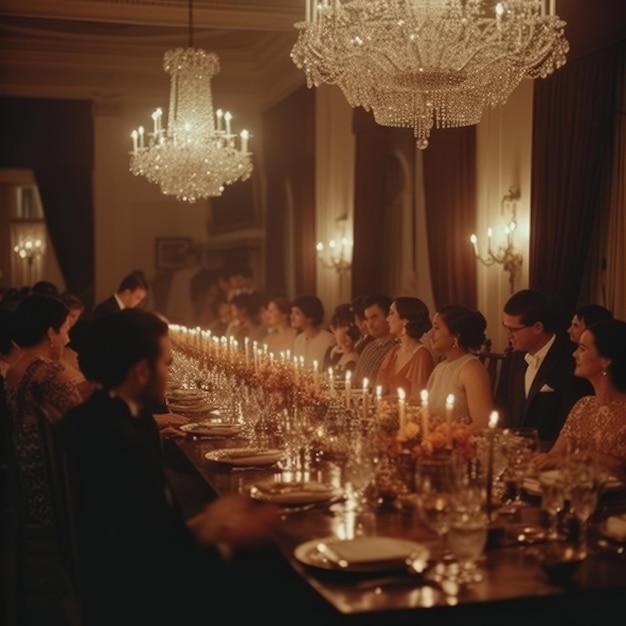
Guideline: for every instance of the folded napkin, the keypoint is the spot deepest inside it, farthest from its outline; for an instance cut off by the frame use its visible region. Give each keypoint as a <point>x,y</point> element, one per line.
<point>615,527</point>
<point>371,549</point>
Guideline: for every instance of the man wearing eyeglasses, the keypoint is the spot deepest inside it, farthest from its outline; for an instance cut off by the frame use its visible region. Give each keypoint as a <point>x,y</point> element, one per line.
<point>537,387</point>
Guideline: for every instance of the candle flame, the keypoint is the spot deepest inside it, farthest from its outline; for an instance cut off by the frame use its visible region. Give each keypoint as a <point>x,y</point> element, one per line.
<point>366,382</point>
<point>424,396</point>
<point>401,393</point>
<point>348,376</point>
<point>493,419</point>
<point>450,401</point>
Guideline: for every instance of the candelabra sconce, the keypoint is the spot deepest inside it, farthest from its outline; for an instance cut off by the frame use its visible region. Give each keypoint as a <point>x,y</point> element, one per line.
<point>507,256</point>
<point>30,249</point>
<point>336,253</point>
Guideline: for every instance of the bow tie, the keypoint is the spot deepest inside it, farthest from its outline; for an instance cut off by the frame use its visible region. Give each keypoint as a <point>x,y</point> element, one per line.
<point>532,359</point>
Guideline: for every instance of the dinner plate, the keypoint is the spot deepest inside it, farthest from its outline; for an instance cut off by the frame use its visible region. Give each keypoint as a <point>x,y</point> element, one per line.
<point>614,527</point>
<point>293,492</point>
<point>211,429</point>
<point>245,457</point>
<point>362,554</point>
<point>532,486</point>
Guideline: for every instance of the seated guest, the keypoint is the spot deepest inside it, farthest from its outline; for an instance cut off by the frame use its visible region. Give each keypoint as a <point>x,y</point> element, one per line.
<point>246,308</point>
<point>131,293</point>
<point>139,561</point>
<point>307,314</point>
<point>376,309</point>
<point>583,318</point>
<point>537,386</point>
<point>343,356</point>
<point>38,387</point>
<point>457,331</point>
<point>281,334</point>
<point>597,424</point>
<point>77,328</point>
<point>409,363</point>
<point>358,310</point>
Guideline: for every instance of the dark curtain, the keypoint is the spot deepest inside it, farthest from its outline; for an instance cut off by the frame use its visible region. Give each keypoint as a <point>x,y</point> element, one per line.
<point>450,196</point>
<point>573,136</point>
<point>377,182</point>
<point>289,155</point>
<point>54,138</point>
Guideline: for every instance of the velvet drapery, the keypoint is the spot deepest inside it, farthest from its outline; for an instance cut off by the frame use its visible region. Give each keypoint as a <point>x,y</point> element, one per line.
<point>574,127</point>
<point>55,139</point>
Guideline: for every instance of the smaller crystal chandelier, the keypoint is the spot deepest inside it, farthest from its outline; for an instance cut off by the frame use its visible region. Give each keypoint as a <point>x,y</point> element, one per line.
<point>428,63</point>
<point>198,154</point>
<point>506,256</point>
<point>30,249</point>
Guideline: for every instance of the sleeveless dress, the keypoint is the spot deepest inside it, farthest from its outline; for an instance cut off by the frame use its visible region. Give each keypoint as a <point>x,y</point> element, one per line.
<point>444,380</point>
<point>412,376</point>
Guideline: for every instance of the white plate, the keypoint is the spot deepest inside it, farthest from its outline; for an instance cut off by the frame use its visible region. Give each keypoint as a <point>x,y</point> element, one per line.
<point>245,457</point>
<point>363,554</point>
<point>614,527</point>
<point>294,492</point>
<point>211,429</point>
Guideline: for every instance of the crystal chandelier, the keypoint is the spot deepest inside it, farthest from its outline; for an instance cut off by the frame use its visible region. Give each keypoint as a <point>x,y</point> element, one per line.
<point>198,154</point>
<point>428,63</point>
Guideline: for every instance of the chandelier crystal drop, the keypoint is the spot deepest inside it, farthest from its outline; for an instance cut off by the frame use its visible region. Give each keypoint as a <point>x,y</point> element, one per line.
<point>428,63</point>
<point>197,155</point>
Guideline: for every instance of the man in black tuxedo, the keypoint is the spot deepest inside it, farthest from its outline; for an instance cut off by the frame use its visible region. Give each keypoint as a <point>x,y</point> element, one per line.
<point>130,294</point>
<point>139,560</point>
<point>537,386</point>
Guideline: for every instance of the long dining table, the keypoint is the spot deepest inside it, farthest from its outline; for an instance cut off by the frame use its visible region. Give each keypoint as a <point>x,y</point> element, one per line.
<point>514,588</point>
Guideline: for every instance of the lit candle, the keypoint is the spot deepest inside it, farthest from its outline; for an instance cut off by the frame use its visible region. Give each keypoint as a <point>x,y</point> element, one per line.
<point>493,422</point>
<point>379,397</point>
<point>316,372</point>
<point>219,114</point>
<point>331,381</point>
<point>141,137</point>
<point>155,117</point>
<point>489,235</point>
<point>244,140</point>
<point>246,348</point>
<point>228,117</point>
<point>474,241</point>
<point>424,398</point>
<point>366,383</point>
<point>348,388</point>
<point>401,407</point>
<point>134,136</point>
<point>449,408</point>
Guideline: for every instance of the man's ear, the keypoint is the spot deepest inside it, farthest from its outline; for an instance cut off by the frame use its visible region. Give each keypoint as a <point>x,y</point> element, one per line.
<point>140,372</point>
<point>538,327</point>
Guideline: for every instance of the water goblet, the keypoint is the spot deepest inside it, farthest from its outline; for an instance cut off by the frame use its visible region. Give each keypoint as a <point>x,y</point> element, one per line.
<point>552,499</point>
<point>585,480</point>
<point>519,446</point>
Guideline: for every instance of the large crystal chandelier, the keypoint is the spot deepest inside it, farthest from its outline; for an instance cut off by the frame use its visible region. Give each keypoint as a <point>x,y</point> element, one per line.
<point>198,154</point>
<point>425,63</point>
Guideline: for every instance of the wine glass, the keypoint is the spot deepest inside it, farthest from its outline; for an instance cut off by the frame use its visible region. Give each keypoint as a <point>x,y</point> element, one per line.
<point>585,482</point>
<point>467,530</point>
<point>552,499</point>
<point>436,482</point>
<point>519,446</point>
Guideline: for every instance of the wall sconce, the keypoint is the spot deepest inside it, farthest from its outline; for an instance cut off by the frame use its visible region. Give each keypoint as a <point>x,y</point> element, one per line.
<point>336,253</point>
<point>30,249</point>
<point>507,256</point>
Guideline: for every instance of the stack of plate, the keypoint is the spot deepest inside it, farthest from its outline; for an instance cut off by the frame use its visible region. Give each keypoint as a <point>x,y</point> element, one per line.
<point>192,403</point>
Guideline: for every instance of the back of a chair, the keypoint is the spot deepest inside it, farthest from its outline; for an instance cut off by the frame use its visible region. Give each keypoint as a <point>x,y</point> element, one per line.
<point>493,363</point>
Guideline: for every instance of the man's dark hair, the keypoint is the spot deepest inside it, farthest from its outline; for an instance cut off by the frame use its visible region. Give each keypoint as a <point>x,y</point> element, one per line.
<point>382,301</point>
<point>533,307</point>
<point>117,342</point>
<point>357,307</point>
<point>45,288</point>
<point>312,308</point>
<point>134,280</point>
<point>592,313</point>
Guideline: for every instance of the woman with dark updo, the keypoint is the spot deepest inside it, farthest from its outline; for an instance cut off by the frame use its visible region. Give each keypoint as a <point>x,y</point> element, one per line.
<point>456,332</point>
<point>410,363</point>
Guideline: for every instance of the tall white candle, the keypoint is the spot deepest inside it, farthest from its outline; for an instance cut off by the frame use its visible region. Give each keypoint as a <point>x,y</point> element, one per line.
<point>134,136</point>
<point>425,413</point>
<point>379,397</point>
<point>244,140</point>
<point>141,137</point>
<point>348,388</point>
<point>219,114</point>
<point>493,422</point>
<point>366,383</point>
<point>331,381</point>
<point>449,408</point>
<point>401,407</point>
<point>228,117</point>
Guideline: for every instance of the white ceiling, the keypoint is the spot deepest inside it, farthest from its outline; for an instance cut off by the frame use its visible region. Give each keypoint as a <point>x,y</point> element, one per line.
<point>82,48</point>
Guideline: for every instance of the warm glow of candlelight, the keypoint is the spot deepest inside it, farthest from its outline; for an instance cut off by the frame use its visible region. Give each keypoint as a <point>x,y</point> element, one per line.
<point>494,417</point>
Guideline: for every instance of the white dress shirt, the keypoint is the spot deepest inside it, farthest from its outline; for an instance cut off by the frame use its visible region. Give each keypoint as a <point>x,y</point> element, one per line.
<point>534,363</point>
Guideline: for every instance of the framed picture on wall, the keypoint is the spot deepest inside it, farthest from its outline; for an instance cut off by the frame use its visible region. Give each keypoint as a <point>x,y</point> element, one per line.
<point>170,252</point>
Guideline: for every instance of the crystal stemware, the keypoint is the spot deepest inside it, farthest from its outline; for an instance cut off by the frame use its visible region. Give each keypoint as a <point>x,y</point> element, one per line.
<point>519,446</point>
